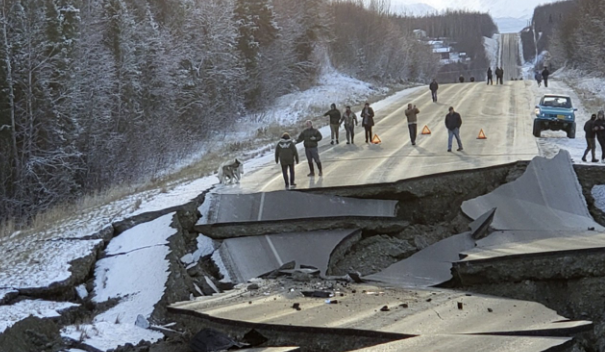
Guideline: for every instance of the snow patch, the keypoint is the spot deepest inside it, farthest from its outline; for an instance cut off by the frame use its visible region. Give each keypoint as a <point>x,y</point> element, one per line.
<point>108,335</point>
<point>38,308</point>
<point>152,233</point>
<point>598,193</point>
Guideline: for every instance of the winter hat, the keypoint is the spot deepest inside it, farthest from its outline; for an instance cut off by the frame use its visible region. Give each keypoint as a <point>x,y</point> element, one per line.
<point>285,135</point>
<point>593,116</point>
<point>601,113</point>
<point>333,106</point>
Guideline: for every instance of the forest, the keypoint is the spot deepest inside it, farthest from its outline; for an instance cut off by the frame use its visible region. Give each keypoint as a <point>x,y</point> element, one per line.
<point>110,92</point>
<point>572,32</point>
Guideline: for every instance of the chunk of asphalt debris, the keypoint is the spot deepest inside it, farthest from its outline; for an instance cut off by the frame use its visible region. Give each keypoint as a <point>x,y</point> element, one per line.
<point>317,294</point>
<point>403,305</point>
<point>254,338</point>
<point>355,277</point>
<point>296,306</point>
<point>331,301</point>
<point>210,340</point>
<point>303,266</point>
<point>274,274</point>
<point>490,310</point>
<point>430,299</point>
<point>384,309</point>
<point>252,287</point>
<point>460,305</point>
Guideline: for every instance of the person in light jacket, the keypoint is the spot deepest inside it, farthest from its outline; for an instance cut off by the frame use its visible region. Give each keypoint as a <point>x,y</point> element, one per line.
<point>286,154</point>
<point>349,118</point>
<point>412,114</point>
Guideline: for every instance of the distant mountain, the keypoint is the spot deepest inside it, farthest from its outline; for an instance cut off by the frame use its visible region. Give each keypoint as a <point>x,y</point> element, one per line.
<point>509,24</point>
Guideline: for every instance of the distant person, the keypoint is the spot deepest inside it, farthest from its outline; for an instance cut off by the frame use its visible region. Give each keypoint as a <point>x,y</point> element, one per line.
<point>412,115</point>
<point>499,75</point>
<point>472,79</point>
<point>461,79</point>
<point>334,122</point>
<point>545,74</point>
<point>589,129</point>
<point>311,136</point>
<point>538,78</point>
<point>367,121</point>
<point>599,127</point>
<point>286,154</point>
<point>433,87</point>
<point>490,77</point>
<point>453,121</point>
<point>349,118</point>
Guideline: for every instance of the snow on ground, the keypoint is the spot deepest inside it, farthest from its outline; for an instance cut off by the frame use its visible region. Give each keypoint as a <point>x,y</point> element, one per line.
<point>27,263</point>
<point>135,271</point>
<point>38,308</point>
<point>598,193</point>
<point>492,49</point>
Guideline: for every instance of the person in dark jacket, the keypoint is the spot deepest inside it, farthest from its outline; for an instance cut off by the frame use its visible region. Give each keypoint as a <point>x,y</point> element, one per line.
<point>453,121</point>
<point>412,114</point>
<point>590,138</point>
<point>433,87</point>
<point>334,122</point>
<point>350,121</point>
<point>538,77</point>
<point>490,77</point>
<point>367,121</point>
<point>499,75</point>
<point>286,154</point>
<point>545,74</point>
<point>310,136</point>
<point>461,79</point>
<point>599,128</point>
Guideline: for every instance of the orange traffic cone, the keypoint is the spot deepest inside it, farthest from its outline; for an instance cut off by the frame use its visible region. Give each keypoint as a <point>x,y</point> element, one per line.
<point>426,130</point>
<point>376,139</point>
<point>481,135</point>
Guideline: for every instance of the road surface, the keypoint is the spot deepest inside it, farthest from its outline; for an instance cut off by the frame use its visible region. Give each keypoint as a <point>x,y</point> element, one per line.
<point>503,112</point>
<point>510,59</point>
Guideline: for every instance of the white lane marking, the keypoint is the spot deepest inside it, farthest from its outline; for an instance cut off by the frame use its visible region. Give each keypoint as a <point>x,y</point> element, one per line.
<point>279,261</point>
<point>260,208</point>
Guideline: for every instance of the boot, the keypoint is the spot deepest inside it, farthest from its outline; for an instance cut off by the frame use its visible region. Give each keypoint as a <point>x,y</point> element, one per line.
<point>312,173</point>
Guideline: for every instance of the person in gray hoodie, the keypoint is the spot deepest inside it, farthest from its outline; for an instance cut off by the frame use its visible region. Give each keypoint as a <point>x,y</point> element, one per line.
<point>349,118</point>
<point>412,115</point>
<point>310,137</point>
<point>286,154</point>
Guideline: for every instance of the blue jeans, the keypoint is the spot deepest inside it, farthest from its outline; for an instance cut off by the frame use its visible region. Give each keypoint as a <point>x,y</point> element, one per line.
<point>453,133</point>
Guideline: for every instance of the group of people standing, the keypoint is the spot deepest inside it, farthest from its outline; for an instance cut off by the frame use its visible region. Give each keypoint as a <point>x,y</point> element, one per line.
<point>595,129</point>
<point>349,119</point>
<point>499,75</point>
<point>286,153</point>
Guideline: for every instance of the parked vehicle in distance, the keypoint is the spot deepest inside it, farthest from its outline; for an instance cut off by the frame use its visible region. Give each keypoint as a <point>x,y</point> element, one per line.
<point>556,113</point>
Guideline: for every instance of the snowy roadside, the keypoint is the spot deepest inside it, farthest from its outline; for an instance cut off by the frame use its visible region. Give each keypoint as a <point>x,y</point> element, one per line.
<point>581,89</point>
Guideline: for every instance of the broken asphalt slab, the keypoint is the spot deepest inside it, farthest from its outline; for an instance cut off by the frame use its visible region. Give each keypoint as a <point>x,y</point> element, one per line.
<point>248,257</point>
<point>234,215</point>
<point>373,312</point>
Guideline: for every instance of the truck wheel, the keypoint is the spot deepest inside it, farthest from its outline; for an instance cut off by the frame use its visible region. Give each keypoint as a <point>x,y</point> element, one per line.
<point>537,128</point>
<point>571,131</point>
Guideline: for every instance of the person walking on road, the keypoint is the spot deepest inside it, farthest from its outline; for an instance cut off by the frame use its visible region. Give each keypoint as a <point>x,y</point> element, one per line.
<point>311,136</point>
<point>453,121</point>
<point>433,87</point>
<point>538,77</point>
<point>545,74</point>
<point>589,129</point>
<point>499,75</point>
<point>490,77</point>
<point>286,154</point>
<point>367,121</point>
<point>334,122</point>
<point>599,128</point>
<point>349,118</point>
<point>412,115</point>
